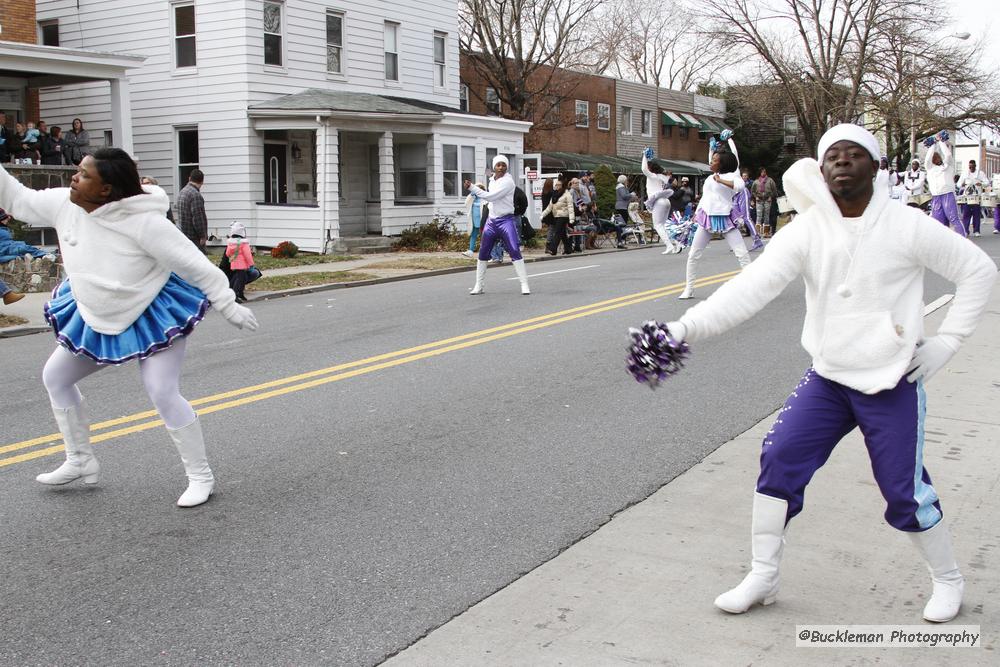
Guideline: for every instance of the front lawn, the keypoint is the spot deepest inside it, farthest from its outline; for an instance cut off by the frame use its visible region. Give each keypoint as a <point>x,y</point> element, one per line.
<point>265,262</point>
<point>422,263</point>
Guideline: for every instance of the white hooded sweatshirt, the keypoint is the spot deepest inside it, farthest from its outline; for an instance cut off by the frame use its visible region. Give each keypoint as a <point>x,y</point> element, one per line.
<point>119,257</point>
<point>866,339</point>
<point>940,179</point>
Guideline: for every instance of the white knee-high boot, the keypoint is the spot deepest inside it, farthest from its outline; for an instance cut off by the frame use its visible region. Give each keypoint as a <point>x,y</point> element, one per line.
<point>522,275</point>
<point>191,446</point>
<point>479,287</point>
<point>692,273</point>
<point>80,460</point>
<point>742,255</point>
<point>934,545</point>
<point>768,542</point>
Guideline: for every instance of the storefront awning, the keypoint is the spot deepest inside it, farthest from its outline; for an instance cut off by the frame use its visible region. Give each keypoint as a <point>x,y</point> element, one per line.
<point>673,118</point>
<point>693,121</point>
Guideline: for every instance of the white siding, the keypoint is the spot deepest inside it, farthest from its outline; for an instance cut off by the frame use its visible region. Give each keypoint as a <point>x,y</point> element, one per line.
<point>301,225</point>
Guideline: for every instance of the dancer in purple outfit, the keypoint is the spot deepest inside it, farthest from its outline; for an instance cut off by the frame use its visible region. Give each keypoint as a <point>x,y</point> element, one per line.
<point>863,259</point>
<point>941,184</point>
<point>741,212</point>
<point>502,224</point>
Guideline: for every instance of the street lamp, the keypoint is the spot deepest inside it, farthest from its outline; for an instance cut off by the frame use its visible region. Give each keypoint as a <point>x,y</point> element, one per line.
<point>913,91</point>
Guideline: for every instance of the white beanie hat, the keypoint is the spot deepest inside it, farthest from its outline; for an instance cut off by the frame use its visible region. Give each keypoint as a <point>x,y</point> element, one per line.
<point>237,228</point>
<point>849,132</point>
<point>623,179</point>
<point>500,158</point>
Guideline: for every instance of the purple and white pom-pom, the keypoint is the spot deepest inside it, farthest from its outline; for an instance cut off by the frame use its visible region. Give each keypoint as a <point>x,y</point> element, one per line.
<point>653,354</point>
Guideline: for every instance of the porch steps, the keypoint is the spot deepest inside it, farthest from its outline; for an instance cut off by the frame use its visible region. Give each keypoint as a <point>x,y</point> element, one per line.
<point>362,245</point>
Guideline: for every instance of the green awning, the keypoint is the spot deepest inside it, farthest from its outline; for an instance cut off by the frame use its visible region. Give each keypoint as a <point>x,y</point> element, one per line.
<point>711,125</point>
<point>719,123</point>
<point>693,121</point>
<point>672,118</point>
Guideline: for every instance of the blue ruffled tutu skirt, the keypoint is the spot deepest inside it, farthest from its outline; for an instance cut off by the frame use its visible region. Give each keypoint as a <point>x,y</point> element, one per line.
<point>175,312</point>
<point>713,223</point>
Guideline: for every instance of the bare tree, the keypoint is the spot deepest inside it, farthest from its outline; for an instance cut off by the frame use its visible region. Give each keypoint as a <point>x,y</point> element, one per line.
<point>819,50</point>
<point>659,44</point>
<point>526,51</point>
<point>922,82</point>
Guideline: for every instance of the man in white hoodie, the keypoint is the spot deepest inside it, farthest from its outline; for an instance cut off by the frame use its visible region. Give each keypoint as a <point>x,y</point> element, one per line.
<point>863,259</point>
<point>914,179</point>
<point>941,184</point>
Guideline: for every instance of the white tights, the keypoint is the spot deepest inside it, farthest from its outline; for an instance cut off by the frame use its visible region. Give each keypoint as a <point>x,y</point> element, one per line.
<point>661,218</point>
<point>161,375</point>
<point>733,238</point>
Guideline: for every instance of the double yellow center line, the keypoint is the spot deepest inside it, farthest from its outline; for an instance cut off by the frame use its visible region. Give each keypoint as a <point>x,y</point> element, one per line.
<point>136,423</point>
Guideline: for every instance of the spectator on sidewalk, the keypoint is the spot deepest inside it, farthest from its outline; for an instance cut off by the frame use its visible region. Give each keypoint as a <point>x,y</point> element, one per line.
<point>622,198</point>
<point>240,260</point>
<point>52,147</point>
<point>191,210</point>
<point>475,208</point>
<point>764,192</point>
<point>5,135</point>
<point>11,249</point>
<point>562,209</point>
<point>8,295</point>
<point>149,180</point>
<point>77,143</point>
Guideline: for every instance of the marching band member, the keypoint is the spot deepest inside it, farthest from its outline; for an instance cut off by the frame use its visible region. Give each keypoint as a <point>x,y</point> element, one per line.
<point>972,183</point>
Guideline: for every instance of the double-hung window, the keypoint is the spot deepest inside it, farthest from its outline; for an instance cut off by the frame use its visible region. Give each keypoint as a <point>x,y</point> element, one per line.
<point>647,123</point>
<point>492,102</point>
<point>440,68</point>
<point>459,166</point>
<point>582,113</point>
<point>272,33</point>
<point>463,98</point>
<point>185,54</point>
<point>391,39</point>
<point>334,42</point>
<point>187,154</point>
<point>626,125</point>
<point>603,116</point>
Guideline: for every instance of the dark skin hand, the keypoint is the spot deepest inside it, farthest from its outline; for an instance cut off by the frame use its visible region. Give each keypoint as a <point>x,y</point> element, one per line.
<point>849,170</point>
<point>498,171</point>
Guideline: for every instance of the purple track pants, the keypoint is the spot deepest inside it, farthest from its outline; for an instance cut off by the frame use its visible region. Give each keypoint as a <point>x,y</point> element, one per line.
<point>501,228</point>
<point>819,413</point>
<point>944,209</point>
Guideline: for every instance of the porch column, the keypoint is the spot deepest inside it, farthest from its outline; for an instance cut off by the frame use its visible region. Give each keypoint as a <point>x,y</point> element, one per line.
<point>386,176</point>
<point>328,185</point>
<point>435,187</point>
<point>121,115</point>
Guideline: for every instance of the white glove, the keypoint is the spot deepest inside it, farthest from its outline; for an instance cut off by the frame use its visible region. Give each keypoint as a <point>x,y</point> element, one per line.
<point>677,330</point>
<point>241,317</point>
<point>931,356</point>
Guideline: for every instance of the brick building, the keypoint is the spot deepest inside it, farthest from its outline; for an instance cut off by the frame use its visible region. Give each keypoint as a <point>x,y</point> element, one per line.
<point>602,120</point>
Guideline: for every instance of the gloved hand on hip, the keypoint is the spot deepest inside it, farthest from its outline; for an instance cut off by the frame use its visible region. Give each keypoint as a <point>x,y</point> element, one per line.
<point>931,356</point>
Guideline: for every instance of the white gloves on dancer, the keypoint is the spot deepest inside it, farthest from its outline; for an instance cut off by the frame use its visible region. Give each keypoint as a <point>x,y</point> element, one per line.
<point>677,330</point>
<point>240,317</point>
<point>931,356</point>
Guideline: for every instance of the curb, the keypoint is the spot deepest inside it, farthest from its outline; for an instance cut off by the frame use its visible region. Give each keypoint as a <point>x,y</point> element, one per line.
<point>23,330</point>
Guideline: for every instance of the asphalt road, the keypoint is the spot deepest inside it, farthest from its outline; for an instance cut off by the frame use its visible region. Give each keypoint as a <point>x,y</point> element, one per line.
<point>358,512</point>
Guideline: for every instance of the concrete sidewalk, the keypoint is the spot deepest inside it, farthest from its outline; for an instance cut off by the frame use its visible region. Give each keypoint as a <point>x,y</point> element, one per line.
<point>640,589</point>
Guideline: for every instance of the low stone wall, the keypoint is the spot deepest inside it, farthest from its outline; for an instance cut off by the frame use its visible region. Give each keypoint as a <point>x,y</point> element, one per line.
<point>38,275</point>
<point>41,176</point>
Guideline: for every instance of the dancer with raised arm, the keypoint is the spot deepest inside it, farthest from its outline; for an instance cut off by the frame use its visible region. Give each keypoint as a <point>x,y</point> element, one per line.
<point>941,184</point>
<point>135,288</point>
<point>714,211</point>
<point>658,193</point>
<point>502,224</point>
<point>863,259</point>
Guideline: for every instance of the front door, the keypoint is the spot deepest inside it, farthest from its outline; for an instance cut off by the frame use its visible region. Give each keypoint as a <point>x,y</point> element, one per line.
<point>276,173</point>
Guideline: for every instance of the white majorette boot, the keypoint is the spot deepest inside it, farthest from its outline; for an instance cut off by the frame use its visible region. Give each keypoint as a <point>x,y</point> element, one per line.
<point>691,273</point>
<point>522,275</point>
<point>935,546</point>
<point>767,541</point>
<point>80,460</point>
<point>191,446</point>
<point>480,276</point>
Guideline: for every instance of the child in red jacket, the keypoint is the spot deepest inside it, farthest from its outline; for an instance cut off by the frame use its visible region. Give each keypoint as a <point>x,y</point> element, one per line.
<point>240,260</point>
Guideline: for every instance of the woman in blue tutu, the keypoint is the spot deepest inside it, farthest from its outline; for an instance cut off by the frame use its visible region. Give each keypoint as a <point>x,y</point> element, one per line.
<point>135,288</point>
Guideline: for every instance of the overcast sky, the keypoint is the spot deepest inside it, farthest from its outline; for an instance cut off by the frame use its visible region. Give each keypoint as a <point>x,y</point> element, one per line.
<point>977,17</point>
